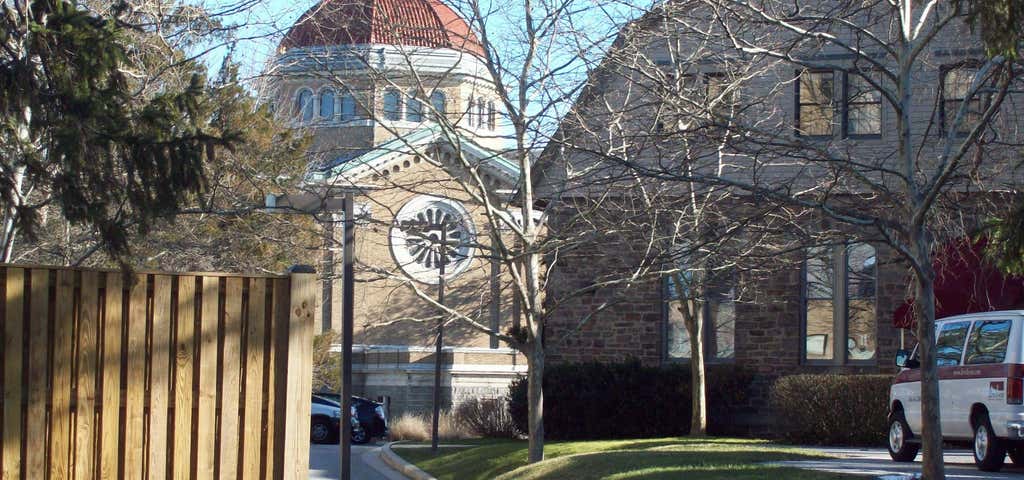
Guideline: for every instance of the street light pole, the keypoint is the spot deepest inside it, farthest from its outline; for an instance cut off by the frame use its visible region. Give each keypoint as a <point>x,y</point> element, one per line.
<point>347,321</point>
<point>440,340</point>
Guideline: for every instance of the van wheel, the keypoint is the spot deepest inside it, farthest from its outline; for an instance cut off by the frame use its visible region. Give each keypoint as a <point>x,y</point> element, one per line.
<point>900,449</point>
<point>989,450</point>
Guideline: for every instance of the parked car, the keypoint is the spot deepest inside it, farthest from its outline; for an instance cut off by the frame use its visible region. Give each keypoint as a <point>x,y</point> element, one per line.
<point>981,389</point>
<point>368,419</point>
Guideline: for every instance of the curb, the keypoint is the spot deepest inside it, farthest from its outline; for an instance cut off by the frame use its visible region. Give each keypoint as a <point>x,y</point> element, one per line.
<point>410,471</point>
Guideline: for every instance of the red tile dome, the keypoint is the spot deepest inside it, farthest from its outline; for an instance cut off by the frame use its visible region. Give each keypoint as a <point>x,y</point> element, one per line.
<point>421,23</point>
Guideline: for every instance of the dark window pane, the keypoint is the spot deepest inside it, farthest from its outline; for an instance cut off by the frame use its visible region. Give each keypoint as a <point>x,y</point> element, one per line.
<point>327,104</point>
<point>392,105</point>
<point>414,109</point>
<point>988,342</point>
<point>956,84</point>
<point>437,101</point>
<point>819,275</point>
<point>950,344</point>
<point>861,316</point>
<point>348,106</point>
<point>304,105</point>
<point>816,104</point>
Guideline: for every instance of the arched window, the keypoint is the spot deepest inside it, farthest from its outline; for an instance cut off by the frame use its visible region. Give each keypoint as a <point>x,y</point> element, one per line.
<point>414,108</point>
<point>348,106</point>
<point>392,105</point>
<point>304,105</point>
<point>437,101</point>
<point>492,116</point>
<point>471,112</point>
<point>327,104</point>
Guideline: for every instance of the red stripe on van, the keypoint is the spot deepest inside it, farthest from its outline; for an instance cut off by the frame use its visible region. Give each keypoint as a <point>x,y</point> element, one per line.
<point>992,370</point>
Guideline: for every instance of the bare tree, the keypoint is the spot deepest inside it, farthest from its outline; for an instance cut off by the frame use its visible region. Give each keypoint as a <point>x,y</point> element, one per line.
<point>863,118</point>
<point>502,89</point>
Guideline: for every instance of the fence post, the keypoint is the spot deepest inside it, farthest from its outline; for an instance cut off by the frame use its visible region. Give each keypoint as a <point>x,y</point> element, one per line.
<point>299,371</point>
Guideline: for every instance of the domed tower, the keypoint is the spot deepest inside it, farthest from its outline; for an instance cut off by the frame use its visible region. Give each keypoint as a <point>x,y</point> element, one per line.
<point>361,72</point>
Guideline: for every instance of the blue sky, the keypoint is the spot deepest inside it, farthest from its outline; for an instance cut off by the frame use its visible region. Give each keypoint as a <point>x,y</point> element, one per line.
<point>594,23</point>
<point>265,21</point>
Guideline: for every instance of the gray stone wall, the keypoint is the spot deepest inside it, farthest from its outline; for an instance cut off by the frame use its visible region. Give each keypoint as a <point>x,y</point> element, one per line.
<point>406,375</point>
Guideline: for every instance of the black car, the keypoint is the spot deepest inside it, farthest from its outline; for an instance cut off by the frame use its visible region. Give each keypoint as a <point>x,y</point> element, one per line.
<point>368,419</point>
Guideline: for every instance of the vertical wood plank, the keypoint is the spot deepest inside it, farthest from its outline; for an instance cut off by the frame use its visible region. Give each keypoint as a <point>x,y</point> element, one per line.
<point>254,341</point>
<point>85,410</point>
<point>60,410</point>
<point>277,332</point>
<point>39,341</point>
<point>231,368</point>
<point>184,363</point>
<point>159,378</point>
<point>206,418</point>
<point>14,334</point>
<point>300,375</point>
<point>135,396</point>
<point>110,413</point>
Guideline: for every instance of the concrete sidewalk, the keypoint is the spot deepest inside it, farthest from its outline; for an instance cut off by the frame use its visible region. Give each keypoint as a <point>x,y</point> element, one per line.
<point>366,463</point>
<point>876,461</point>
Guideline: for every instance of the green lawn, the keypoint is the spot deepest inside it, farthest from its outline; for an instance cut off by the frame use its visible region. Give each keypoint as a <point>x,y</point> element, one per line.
<point>660,458</point>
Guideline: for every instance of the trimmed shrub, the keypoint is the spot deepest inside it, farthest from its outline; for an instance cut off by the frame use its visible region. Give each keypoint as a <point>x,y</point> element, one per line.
<point>831,409</point>
<point>488,417</point>
<point>628,400</point>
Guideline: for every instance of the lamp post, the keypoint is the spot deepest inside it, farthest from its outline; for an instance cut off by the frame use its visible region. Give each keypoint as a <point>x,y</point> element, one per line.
<point>347,322</point>
<point>319,203</point>
<point>442,242</point>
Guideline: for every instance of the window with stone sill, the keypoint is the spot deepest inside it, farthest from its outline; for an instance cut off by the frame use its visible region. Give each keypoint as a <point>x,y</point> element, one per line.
<point>437,101</point>
<point>815,103</point>
<point>719,312</point>
<point>956,86</point>
<point>327,104</point>
<point>304,105</point>
<point>414,108</point>
<point>840,323</point>
<point>863,106</point>
<point>348,106</point>
<point>392,105</point>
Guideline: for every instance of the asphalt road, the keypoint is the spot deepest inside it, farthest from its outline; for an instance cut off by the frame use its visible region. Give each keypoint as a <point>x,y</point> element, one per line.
<point>366,463</point>
<point>876,461</point>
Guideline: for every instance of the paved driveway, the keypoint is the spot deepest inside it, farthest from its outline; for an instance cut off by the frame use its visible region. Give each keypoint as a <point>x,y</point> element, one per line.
<point>876,461</point>
<point>366,463</point>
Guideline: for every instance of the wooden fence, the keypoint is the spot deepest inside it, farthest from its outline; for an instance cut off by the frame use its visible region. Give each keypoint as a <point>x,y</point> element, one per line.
<point>157,375</point>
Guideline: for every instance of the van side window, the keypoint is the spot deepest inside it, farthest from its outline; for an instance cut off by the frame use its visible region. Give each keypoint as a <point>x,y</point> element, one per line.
<point>950,345</point>
<point>988,342</point>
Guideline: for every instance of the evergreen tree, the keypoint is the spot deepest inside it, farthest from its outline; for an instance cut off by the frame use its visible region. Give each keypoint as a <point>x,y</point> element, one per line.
<point>80,136</point>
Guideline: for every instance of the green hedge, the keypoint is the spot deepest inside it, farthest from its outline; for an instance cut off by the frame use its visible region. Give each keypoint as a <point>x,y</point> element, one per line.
<point>831,409</point>
<point>628,400</point>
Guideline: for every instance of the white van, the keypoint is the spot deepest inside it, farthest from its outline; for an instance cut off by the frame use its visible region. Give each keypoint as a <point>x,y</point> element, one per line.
<point>981,389</point>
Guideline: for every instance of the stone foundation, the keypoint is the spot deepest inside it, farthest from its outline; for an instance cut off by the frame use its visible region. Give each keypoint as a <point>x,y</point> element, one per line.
<point>406,374</point>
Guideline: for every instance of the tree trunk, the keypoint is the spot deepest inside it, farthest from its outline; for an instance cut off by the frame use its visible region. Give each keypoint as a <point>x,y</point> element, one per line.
<point>932,465</point>
<point>694,321</point>
<point>535,378</point>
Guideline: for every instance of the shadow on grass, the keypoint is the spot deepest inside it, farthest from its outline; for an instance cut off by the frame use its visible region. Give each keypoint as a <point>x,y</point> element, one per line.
<point>604,459</point>
<point>667,465</point>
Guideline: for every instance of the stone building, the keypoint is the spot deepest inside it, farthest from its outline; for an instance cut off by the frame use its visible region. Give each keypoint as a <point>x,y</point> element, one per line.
<point>829,308</point>
<point>398,103</point>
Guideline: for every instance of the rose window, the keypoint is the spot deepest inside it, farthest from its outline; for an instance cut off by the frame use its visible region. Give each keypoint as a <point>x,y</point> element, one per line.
<point>417,233</point>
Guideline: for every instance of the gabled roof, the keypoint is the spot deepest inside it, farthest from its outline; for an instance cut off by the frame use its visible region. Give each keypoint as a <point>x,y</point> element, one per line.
<point>355,165</point>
